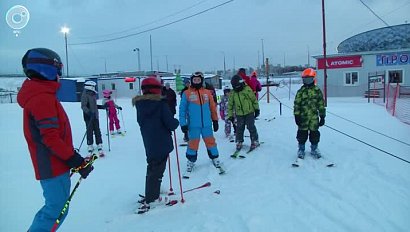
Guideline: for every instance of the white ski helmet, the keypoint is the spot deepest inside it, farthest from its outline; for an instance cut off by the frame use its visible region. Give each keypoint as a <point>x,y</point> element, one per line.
<point>90,85</point>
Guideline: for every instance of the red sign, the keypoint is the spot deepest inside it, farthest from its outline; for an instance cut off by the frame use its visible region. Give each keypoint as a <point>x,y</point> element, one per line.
<point>340,62</point>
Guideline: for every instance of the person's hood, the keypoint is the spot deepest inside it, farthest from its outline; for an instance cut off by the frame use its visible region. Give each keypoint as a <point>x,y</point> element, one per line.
<point>146,103</point>
<point>34,87</point>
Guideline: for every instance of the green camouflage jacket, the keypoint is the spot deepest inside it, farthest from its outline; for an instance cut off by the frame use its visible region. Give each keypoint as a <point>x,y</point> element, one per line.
<point>309,105</point>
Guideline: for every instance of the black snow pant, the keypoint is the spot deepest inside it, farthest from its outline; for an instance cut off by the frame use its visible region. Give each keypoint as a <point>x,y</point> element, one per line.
<point>93,127</point>
<point>249,121</point>
<point>153,179</point>
<point>302,136</point>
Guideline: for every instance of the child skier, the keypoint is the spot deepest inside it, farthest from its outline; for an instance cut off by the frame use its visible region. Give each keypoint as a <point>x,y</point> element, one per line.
<point>112,112</point>
<point>223,112</point>
<point>243,102</point>
<point>156,124</point>
<point>199,109</point>
<point>91,117</point>
<point>307,106</point>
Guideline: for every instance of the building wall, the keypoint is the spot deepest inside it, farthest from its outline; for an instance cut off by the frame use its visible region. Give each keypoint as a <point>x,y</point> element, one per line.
<point>336,86</point>
<point>121,89</point>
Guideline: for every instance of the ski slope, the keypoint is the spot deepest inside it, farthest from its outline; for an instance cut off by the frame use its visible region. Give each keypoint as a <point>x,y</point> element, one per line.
<point>367,190</point>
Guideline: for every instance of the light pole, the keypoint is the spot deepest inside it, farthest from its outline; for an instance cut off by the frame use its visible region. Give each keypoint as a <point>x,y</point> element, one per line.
<point>150,49</point>
<point>224,66</point>
<point>139,63</point>
<point>263,52</point>
<point>66,30</point>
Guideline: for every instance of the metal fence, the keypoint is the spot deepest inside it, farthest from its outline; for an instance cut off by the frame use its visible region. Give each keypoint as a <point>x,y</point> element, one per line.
<point>8,97</point>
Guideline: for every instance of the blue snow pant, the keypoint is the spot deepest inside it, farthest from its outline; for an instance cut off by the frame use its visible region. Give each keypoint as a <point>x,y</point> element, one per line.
<point>56,191</point>
<point>194,134</point>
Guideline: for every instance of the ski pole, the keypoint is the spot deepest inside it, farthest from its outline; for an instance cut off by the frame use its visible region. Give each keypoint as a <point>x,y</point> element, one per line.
<point>86,129</point>
<point>67,203</point>
<point>123,122</point>
<point>171,191</point>
<point>179,170</point>
<point>207,184</point>
<point>108,132</point>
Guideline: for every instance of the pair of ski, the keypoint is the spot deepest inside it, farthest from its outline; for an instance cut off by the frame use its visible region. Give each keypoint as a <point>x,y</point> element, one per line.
<point>174,202</point>
<point>187,174</point>
<point>237,153</point>
<point>298,162</point>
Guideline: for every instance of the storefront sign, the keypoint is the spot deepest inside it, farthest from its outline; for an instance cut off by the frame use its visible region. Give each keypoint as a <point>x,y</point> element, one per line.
<point>340,62</point>
<point>402,58</point>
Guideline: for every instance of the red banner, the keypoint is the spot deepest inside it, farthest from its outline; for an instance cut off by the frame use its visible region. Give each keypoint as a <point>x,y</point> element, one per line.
<point>340,62</point>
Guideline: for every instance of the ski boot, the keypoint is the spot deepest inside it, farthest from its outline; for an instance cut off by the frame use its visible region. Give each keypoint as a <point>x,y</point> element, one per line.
<point>100,150</point>
<point>119,132</point>
<point>239,146</point>
<point>90,149</point>
<point>314,151</point>
<point>190,166</point>
<point>218,165</point>
<point>254,144</point>
<point>301,151</point>
<point>112,133</point>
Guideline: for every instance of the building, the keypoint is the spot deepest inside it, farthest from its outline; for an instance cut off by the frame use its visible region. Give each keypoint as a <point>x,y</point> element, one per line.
<point>378,56</point>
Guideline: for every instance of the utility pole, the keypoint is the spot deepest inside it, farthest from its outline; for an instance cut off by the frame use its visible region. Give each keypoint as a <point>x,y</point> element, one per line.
<point>324,52</point>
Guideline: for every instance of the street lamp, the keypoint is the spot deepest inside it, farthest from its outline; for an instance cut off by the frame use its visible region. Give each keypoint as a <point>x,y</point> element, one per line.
<point>66,30</point>
<point>139,63</point>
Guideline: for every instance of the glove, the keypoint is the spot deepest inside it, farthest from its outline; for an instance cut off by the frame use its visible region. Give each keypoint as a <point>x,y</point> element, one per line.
<point>78,162</point>
<point>231,119</point>
<point>119,107</point>
<point>257,112</point>
<point>298,120</point>
<point>184,129</point>
<point>322,121</point>
<point>215,125</point>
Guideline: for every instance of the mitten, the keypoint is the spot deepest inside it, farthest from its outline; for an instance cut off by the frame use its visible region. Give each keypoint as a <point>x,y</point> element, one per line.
<point>257,112</point>
<point>298,120</point>
<point>215,125</point>
<point>184,129</point>
<point>322,121</point>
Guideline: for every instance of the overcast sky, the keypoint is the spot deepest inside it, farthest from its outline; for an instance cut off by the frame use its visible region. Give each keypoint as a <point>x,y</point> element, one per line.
<point>288,28</point>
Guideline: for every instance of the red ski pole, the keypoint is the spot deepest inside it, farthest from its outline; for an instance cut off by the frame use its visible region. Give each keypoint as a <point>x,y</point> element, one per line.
<point>171,191</point>
<point>179,170</point>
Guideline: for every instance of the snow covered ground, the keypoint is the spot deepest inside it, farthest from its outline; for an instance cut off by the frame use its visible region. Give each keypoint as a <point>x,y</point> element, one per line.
<point>367,190</point>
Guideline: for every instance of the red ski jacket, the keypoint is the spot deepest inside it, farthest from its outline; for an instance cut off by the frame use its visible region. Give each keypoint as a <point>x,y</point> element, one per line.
<point>46,128</point>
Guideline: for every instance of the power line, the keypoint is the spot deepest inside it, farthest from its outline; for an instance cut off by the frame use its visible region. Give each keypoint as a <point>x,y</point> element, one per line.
<point>155,28</point>
<point>146,24</point>
<point>374,13</point>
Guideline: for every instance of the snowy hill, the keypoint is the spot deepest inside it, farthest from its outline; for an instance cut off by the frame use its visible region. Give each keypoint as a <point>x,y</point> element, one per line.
<point>367,190</point>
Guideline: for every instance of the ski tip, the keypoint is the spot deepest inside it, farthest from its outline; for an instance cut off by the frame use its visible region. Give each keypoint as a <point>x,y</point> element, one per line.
<point>185,177</point>
<point>217,192</point>
<point>295,165</point>
<point>330,165</point>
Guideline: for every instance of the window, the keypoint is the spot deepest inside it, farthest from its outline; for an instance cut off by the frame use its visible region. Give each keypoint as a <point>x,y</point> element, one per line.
<point>395,76</point>
<point>112,86</point>
<point>351,79</point>
<point>131,85</point>
<point>103,86</point>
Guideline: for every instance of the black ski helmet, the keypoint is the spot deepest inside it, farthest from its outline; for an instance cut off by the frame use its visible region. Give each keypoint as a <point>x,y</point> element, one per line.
<point>42,63</point>
<point>197,85</point>
<point>237,82</point>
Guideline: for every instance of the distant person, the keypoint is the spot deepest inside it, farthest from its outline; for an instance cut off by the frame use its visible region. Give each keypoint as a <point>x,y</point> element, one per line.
<point>171,97</point>
<point>91,117</point>
<point>156,124</point>
<point>187,84</point>
<point>111,108</point>
<point>255,82</point>
<point>211,88</point>
<point>308,108</point>
<point>243,102</point>
<point>247,79</point>
<point>223,112</point>
<point>197,116</point>
<point>48,134</point>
